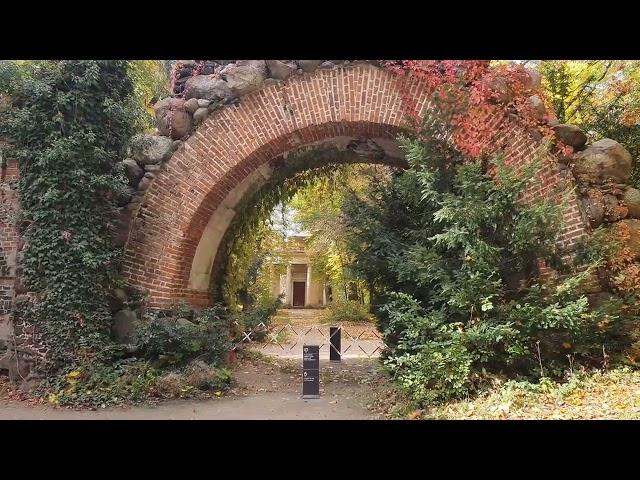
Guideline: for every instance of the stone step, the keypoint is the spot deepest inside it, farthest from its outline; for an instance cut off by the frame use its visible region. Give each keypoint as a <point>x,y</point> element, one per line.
<point>294,316</point>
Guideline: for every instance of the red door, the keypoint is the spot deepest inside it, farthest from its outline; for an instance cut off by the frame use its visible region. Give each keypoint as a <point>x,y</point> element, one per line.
<point>298,294</point>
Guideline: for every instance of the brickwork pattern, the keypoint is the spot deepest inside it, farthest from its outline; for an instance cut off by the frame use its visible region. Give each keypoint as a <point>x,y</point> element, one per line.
<point>8,236</point>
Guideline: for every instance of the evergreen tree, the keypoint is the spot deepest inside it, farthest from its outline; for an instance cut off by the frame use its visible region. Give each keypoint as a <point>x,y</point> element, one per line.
<point>451,253</point>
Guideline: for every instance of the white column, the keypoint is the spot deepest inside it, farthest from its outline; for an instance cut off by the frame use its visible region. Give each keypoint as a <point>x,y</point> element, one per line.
<point>307,300</point>
<point>324,292</point>
<point>287,297</point>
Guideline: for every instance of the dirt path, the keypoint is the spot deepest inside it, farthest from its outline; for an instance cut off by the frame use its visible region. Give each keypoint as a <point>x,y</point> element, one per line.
<point>268,381</point>
<point>265,390</point>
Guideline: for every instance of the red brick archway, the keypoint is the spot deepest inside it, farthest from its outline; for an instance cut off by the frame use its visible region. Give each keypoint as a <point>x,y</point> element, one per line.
<point>360,101</point>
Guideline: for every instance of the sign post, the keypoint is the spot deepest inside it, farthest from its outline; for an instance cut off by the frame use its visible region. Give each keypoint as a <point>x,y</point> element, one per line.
<point>311,371</point>
<point>335,353</point>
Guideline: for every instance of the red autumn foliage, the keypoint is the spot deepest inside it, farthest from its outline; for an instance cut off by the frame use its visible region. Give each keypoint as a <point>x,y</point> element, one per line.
<point>620,268</point>
<point>476,98</point>
<point>174,75</point>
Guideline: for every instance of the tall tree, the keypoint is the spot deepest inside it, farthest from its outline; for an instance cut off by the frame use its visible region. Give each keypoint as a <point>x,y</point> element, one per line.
<point>601,96</point>
<point>318,208</point>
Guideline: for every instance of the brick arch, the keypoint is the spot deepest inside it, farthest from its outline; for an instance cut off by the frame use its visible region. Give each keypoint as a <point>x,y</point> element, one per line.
<point>230,149</point>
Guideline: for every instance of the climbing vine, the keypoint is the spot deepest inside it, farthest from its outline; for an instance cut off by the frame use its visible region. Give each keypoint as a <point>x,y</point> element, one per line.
<point>476,98</point>
<point>69,123</point>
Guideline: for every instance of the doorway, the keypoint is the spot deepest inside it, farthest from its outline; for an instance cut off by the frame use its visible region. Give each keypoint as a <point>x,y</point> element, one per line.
<point>299,289</point>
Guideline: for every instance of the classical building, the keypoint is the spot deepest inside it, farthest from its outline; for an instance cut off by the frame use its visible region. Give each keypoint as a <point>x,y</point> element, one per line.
<point>292,277</point>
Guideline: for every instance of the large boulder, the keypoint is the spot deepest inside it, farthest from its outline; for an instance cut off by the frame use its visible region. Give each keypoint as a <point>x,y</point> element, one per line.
<point>209,87</point>
<point>5,360</point>
<point>537,107</point>
<point>191,105</point>
<point>613,211</point>
<point>280,70</point>
<point>502,92</point>
<point>144,183</point>
<point>530,78</point>
<point>149,149</point>
<point>533,79</point>
<point>122,223</point>
<point>184,322</point>
<point>552,120</point>
<point>168,103</point>
<point>606,160</point>
<point>133,171</point>
<point>173,121</point>
<point>200,115</point>
<point>175,124</point>
<point>593,207</point>
<point>570,135</point>
<point>632,201</point>
<point>116,299</point>
<point>123,327</point>
<point>309,65</point>
<point>6,329</point>
<point>18,368</point>
<point>245,76</point>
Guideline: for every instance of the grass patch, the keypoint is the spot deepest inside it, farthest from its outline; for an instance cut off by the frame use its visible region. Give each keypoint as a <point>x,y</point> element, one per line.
<point>613,394</point>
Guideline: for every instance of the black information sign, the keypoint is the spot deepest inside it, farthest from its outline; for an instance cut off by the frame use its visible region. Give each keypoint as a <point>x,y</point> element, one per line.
<point>335,354</point>
<point>311,371</point>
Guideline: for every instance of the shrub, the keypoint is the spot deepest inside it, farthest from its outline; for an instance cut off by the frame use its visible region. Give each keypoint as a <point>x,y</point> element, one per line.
<point>205,377</point>
<point>436,372</point>
<point>451,253</point>
<point>171,385</point>
<point>346,311</point>
<point>259,314</point>
<point>98,383</point>
<point>176,341</point>
<point>197,376</point>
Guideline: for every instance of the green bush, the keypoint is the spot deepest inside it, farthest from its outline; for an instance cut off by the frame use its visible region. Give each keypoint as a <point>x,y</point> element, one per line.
<point>450,252</point>
<point>259,314</point>
<point>98,383</point>
<point>176,341</point>
<point>130,380</point>
<point>202,376</point>
<point>436,372</point>
<point>346,311</point>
